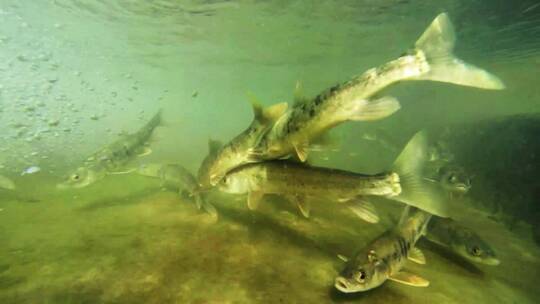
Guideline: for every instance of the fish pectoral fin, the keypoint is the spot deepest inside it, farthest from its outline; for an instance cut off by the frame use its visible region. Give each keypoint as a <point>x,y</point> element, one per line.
<point>364,210</point>
<point>416,255</point>
<point>210,209</point>
<point>369,110</point>
<point>343,258</point>
<point>123,172</point>
<point>254,197</point>
<point>410,279</point>
<point>301,149</point>
<point>145,151</point>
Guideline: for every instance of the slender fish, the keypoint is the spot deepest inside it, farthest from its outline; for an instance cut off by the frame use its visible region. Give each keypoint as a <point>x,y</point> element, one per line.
<point>357,100</point>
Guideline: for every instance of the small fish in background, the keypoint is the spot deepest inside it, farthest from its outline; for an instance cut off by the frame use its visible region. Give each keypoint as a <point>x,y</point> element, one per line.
<point>461,240</point>
<point>6,183</point>
<point>384,258</point>
<point>31,170</point>
<point>177,178</point>
<point>194,94</point>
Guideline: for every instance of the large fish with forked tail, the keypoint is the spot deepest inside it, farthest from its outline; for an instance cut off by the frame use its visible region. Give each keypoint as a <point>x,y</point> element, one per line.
<point>358,99</point>
<point>301,183</point>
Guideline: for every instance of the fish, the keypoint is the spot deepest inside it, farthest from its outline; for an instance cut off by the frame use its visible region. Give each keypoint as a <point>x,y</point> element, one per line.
<point>223,158</point>
<point>360,99</point>
<point>300,183</point>
<point>384,258</point>
<point>6,183</point>
<point>31,170</point>
<point>452,178</point>
<point>113,158</point>
<point>461,240</point>
<point>177,178</point>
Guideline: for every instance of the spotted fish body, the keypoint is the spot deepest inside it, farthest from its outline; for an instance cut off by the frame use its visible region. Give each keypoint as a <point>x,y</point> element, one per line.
<point>430,59</point>
<point>112,158</point>
<point>293,179</point>
<point>222,159</point>
<point>461,240</point>
<point>385,257</point>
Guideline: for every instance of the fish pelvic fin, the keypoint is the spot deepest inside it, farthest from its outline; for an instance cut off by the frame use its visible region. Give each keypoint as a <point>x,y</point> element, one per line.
<point>415,191</point>
<point>416,255</point>
<point>410,279</point>
<point>302,150</point>
<point>437,45</point>
<point>374,109</point>
<point>364,210</point>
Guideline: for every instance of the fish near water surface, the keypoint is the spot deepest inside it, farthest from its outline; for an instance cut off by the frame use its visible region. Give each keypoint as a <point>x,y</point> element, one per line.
<point>113,158</point>
<point>461,240</point>
<point>357,100</point>
<point>384,258</point>
<point>223,158</point>
<point>301,183</point>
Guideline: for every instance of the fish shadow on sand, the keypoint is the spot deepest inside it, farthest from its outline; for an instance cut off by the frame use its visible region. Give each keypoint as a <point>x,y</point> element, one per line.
<point>260,223</point>
<point>116,201</point>
<point>452,257</point>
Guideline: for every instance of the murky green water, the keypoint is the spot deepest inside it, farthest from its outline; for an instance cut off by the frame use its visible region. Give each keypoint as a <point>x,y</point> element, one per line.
<point>77,75</point>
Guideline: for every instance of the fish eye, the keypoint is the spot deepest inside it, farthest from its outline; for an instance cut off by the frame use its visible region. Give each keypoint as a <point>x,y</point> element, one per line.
<point>476,251</point>
<point>360,276</point>
<point>453,178</point>
<point>75,177</point>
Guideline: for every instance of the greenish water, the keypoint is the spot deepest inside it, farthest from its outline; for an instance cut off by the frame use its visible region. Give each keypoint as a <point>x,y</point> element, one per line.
<point>76,74</point>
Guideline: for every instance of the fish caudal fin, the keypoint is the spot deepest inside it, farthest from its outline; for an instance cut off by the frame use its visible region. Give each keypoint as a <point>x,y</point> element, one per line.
<point>437,44</point>
<point>414,190</point>
<point>369,110</point>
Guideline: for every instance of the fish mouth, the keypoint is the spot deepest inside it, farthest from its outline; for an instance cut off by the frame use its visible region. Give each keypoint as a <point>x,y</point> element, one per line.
<point>343,285</point>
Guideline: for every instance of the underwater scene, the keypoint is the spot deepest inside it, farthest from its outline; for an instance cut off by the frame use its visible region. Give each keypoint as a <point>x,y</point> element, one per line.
<point>248,151</point>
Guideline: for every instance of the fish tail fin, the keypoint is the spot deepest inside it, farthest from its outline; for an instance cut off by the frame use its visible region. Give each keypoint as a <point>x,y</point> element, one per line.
<point>437,45</point>
<point>414,190</point>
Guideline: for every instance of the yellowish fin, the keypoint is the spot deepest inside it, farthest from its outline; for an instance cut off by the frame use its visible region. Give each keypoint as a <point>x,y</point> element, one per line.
<point>410,279</point>
<point>253,199</point>
<point>417,256</point>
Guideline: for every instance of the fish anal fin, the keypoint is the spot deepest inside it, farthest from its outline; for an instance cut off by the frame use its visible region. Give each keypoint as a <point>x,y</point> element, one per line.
<point>369,110</point>
<point>416,255</point>
<point>254,197</point>
<point>364,210</point>
<point>410,279</point>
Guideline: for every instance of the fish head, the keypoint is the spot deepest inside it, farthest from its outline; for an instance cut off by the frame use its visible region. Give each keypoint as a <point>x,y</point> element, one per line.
<point>80,178</point>
<point>476,250</point>
<point>242,179</point>
<point>455,180</point>
<point>362,274</point>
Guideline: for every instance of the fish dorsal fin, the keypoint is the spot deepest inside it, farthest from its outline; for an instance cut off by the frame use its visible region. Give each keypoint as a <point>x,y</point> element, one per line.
<point>254,197</point>
<point>256,107</point>
<point>214,146</point>
<point>416,255</point>
<point>364,210</point>
<point>343,258</point>
<point>410,279</point>
<point>273,112</point>
<point>298,94</point>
